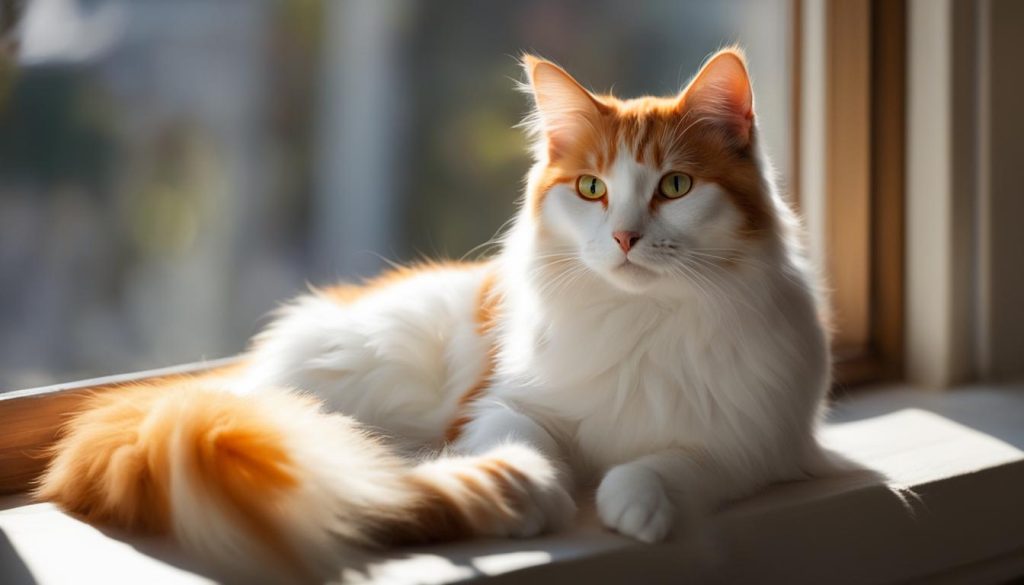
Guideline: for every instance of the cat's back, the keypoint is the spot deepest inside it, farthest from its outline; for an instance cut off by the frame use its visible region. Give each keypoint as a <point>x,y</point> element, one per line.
<point>396,352</point>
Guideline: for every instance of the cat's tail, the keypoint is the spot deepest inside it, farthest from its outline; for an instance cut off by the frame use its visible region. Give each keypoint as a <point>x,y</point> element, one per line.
<point>267,485</point>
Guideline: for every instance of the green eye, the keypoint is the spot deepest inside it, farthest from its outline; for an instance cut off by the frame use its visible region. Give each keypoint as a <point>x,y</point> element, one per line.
<point>675,185</point>
<point>590,187</point>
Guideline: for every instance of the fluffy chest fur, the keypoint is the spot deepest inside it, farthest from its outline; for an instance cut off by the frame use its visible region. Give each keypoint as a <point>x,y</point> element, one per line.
<point>640,381</point>
<point>649,327</point>
<point>623,375</point>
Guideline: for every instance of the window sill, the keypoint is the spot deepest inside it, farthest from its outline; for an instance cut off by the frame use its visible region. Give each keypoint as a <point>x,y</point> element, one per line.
<point>962,452</point>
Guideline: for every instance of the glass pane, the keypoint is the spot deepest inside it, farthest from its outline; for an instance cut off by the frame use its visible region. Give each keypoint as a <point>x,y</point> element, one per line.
<point>170,171</point>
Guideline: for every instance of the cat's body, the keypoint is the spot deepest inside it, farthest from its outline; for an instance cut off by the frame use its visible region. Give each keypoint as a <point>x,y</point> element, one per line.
<point>657,341</point>
<point>398,356</point>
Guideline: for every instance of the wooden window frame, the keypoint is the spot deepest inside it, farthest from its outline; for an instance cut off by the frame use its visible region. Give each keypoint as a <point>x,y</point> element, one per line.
<point>862,206</point>
<point>863,202</point>
<point>33,418</point>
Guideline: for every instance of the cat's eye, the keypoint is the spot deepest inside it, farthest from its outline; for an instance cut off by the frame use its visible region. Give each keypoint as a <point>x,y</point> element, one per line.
<point>590,187</point>
<point>675,185</point>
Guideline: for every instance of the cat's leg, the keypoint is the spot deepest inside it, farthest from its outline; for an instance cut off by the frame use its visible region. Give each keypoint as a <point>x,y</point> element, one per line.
<point>508,469</point>
<point>646,498</point>
<point>495,423</point>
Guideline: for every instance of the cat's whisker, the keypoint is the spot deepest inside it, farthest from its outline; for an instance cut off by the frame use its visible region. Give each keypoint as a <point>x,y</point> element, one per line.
<point>665,377</point>
<point>721,271</point>
<point>563,280</point>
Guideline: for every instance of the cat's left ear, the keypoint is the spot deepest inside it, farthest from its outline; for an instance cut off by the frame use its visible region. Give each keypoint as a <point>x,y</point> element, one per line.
<point>565,110</point>
<point>721,92</point>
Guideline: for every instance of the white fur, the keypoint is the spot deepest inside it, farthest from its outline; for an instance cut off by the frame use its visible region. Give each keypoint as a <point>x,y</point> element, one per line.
<point>344,495</point>
<point>672,383</point>
<point>397,359</point>
<point>711,382</point>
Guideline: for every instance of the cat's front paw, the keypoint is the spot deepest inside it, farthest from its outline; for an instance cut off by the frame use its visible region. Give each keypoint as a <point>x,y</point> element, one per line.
<point>632,501</point>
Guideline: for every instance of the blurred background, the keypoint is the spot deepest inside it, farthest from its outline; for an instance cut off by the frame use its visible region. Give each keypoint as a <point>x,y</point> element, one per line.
<point>170,171</point>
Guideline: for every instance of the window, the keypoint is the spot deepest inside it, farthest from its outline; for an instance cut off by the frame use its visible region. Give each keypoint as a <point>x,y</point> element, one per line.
<point>851,141</point>
<point>171,171</point>
<point>233,147</point>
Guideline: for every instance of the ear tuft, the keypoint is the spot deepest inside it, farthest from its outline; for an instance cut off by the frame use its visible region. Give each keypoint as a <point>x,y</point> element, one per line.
<point>722,90</point>
<point>564,108</point>
<point>529,62</point>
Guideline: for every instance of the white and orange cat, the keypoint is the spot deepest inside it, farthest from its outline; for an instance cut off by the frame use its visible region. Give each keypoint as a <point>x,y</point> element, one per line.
<point>649,329</point>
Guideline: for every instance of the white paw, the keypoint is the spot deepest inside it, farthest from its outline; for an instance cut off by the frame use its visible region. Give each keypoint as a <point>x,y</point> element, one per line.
<point>632,501</point>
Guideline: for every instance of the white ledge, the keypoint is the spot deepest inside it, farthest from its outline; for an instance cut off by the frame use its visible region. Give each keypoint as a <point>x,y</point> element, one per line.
<point>961,452</point>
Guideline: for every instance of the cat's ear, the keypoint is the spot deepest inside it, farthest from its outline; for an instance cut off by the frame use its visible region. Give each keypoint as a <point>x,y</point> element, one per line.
<point>721,92</point>
<point>564,109</point>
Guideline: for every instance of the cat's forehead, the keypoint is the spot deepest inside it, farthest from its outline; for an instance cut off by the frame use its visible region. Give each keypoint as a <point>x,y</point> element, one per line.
<point>648,129</point>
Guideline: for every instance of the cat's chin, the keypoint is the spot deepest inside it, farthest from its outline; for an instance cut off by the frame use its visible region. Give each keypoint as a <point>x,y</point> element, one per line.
<point>631,277</point>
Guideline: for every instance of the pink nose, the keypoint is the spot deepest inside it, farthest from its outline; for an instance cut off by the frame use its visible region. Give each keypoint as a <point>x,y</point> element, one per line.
<point>626,240</point>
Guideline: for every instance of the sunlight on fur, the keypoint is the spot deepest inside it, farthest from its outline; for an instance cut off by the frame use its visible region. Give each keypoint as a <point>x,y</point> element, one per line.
<point>648,332</point>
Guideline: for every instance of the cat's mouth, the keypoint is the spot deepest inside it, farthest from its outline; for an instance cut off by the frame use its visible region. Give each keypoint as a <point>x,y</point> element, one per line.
<point>632,268</point>
<point>630,263</point>
<point>631,277</point>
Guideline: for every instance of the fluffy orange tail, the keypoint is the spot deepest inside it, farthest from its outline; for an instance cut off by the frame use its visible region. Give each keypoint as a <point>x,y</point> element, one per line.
<point>269,486</point>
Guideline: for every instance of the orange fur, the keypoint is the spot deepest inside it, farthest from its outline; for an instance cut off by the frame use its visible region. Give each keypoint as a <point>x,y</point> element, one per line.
<point>488,492</point>
<point>105,468</point>
<point>113,464</point>
<point>486,316</point>
<point>436,517</point>
<point>115,460</point>
<point>674,132</point>
<point>487,306</point>
<point>488,302</point>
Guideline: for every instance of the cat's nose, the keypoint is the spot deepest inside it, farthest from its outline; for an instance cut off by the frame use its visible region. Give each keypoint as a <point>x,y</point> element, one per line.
<point>626,240</point>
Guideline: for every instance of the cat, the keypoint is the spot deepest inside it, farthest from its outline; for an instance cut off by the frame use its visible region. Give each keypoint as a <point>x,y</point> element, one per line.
<point>650,329</point>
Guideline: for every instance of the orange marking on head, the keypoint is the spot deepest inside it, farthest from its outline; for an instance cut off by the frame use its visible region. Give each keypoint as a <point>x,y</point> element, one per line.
<point>643,140</point>
<point>706,137</point>
<point>657,156</point>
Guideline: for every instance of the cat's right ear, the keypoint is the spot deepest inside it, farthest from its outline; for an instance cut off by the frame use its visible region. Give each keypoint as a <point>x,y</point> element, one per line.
<point>564,109</point>
<point>721,93</point>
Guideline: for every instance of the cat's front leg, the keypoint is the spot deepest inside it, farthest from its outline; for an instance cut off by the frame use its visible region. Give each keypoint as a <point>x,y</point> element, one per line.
<point>511,468</point>
<point>649,497</point>
<point>633,500</point>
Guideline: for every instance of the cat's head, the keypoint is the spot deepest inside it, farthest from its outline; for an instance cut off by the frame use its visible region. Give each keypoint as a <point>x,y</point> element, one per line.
<point>645,192</point>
